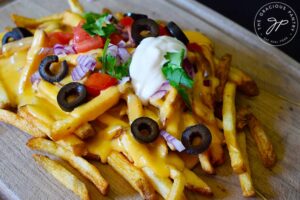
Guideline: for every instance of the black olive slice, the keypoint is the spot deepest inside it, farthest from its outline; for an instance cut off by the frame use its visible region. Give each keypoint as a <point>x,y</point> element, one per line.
<point>136,16</point>
<point>16,34</point>
<point>144,25</point>
<point>145,129</point>
<point>45,72</point>
<point>197,132</point>
<point>71,95</point>
<point>177,32</point>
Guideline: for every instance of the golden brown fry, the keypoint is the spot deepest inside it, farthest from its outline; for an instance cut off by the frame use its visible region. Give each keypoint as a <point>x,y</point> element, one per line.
<point>135,107</point>
<point>190,161</point>
<point>86,112</point>
<point>33,23</point>
<point>84,167</point>
<point>72,58</point>
<point>73,144</point>
<point>244,82</point>
<point>229,123</point>
<point>264,145</point>
<point>167,109</point>
<point>205,163</point>
<point>71,19</point>
<point>4,97</point>
<point>242,118</point>
<point>85,131</point>
<point>162,185</point>
<point>19,45</point>
<point>21,123</point>
<point>222,72</point>
<point>245,178</point>
<point>177,189</point>
<point>195,183</point>
<point>63,175</point>
<point>33,59</point>
<point>51,26</point>
<point>134,176</point>
<point>75,6</point>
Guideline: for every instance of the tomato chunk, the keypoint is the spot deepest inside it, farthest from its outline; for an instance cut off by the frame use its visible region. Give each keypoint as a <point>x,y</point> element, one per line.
<point>84,42</point>
<point>99,81</point>
<point>59,38</point>
<point>115,38</point>
<point>126,21</point>
<point>163,30</point>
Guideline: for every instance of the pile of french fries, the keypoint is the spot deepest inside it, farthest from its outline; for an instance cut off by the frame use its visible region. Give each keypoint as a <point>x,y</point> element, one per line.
<point>100,128</point>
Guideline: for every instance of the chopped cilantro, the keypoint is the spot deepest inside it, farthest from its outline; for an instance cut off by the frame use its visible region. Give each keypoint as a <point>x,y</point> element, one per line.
<point>97,24</point>
<point>176,75</point>
<point>110,66</point>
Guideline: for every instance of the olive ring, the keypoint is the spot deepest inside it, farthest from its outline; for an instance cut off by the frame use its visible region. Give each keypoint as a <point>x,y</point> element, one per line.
<point>77,91</point>
<point>136,16</point>
<point>145,129</point>
<point>193,132</point>
<point>177,32</point>
<point>16,34</point>
<point>141,25</point>
<point>45,72</point>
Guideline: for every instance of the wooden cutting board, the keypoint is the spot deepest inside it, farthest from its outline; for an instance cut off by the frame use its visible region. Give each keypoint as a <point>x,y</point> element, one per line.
<point>277,106</point>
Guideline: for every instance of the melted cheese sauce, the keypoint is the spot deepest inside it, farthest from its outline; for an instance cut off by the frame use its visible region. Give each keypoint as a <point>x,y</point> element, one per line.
<point>146,77</point>
<point>146,64</point>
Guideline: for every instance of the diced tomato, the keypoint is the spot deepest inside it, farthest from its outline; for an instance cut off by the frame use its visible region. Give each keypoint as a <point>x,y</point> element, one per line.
<point>95,42</point>
<point>99,81</point>
<point>115,38</point>
<point>194,47</point>
<point>163,30</point>
<point>126,21</point>
<point>59,38</point>
<point>84,42</point>
<point>80,34</point>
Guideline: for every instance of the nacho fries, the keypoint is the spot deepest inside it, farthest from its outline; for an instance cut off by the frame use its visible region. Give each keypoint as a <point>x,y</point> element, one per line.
<point>78,95</point>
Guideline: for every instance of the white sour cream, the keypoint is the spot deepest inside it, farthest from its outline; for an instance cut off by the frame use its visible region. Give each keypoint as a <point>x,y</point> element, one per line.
<point>147,61</point>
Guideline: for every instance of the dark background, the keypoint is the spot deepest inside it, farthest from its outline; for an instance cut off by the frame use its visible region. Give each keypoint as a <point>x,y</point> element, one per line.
<point>243,13</point>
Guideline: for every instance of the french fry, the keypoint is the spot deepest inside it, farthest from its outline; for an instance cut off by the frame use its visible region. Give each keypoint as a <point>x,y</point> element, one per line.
<point>33,59</point>
<point>173,122</point>
<point>222,72</point>
<point>161,185</point>
<point>229,123</point>
<point>63,175</point>
<point>21,123</point>
<point>86,112</point>
<point>176,192</point>
<point>4,98</point>
<point>72,58</point>
<point>85,131</point>
<point>264,145</point>
<point>245,178</point>
<point>195,183</point>
<point>84,167</point>
<point>205,163</point>
<point>33,23</point>
<point>71,19</point>
<point>244,82</point>
<point>166,110</point>
<point>73,144</point>
<point>135,107</point>
<point>19,45</point>
<point>50,26</point>
<point>134,176</point>
<point>190,161</point>
<point>242,118</point>
<point>75,6</point>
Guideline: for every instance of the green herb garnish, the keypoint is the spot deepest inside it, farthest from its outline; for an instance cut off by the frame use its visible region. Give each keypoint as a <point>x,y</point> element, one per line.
<point>110,66</point>
<point>176,75</point>
<point>96,24</point>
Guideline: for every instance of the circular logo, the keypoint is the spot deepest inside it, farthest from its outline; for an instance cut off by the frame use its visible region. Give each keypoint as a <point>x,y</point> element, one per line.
<point>276,23</point>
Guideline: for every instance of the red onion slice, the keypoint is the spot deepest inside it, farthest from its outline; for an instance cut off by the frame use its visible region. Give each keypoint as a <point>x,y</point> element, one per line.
<point>63,50</point>
<point>162,91</point>
<point>85,63</point>
<point>172,140</point>
<point>35,77</point>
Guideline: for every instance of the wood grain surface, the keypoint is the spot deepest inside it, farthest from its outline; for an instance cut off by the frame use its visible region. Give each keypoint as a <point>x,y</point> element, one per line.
<point>277,107</point>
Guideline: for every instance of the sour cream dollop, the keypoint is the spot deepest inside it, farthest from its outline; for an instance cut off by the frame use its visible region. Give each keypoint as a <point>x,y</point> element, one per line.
<point>147,61</point>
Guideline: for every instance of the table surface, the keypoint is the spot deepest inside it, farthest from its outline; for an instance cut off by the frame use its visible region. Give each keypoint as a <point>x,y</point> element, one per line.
<point>277,106</point>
